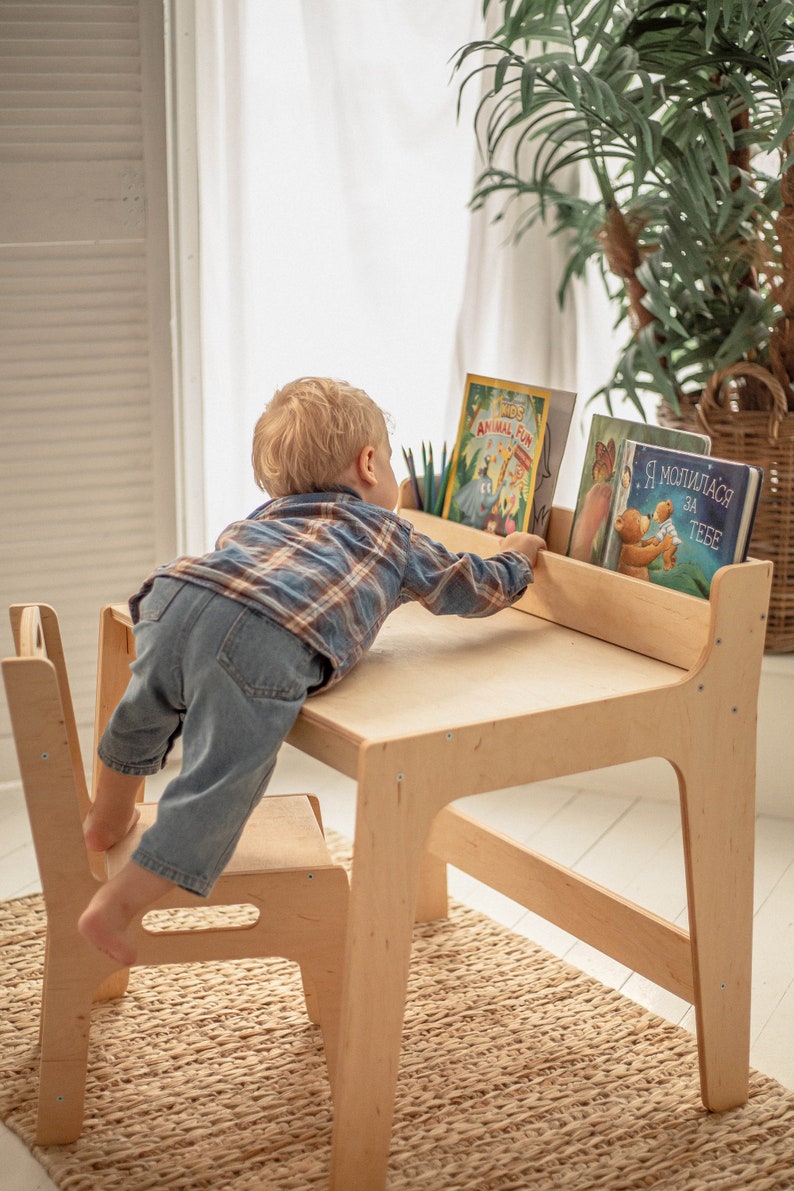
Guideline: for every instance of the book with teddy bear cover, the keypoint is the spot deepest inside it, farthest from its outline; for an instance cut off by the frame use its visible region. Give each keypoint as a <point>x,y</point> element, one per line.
<point>676,517</point>
<point>599,476</point>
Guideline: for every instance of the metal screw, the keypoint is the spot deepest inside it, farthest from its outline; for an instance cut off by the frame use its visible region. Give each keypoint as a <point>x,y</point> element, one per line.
<point>45,756</point>
<point>448,736</point>
<point>400,777</point>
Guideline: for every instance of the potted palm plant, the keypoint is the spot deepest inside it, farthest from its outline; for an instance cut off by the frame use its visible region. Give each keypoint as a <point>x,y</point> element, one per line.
<point>657,139</point>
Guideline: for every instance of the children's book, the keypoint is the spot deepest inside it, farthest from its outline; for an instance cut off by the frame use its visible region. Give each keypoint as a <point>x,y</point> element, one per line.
<point>677,516</point>
<point>552,448</point>
<point>597,486</point>
<point>498,455</point>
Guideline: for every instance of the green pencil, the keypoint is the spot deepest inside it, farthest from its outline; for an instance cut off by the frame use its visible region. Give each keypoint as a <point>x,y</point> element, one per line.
<point>430,480</point>
<point>442,488</point>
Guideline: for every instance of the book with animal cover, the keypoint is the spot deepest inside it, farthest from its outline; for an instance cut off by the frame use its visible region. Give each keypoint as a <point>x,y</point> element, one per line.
<point>588,536</point>
<point>677,517</point>
<point>497,457</point>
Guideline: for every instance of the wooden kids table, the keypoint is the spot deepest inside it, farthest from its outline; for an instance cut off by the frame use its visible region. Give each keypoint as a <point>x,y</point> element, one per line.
<point>590,669</point>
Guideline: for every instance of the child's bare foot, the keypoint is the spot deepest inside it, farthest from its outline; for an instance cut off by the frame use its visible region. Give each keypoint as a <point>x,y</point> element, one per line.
<point>102,831</point>
<point>108,932</point>
<point>108,920</point>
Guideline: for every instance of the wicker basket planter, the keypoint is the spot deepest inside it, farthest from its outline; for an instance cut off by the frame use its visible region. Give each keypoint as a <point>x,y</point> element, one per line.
<point>766,438</point>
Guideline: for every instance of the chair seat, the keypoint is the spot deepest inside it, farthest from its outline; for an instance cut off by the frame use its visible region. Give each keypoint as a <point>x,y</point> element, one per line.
<point>282,834</point>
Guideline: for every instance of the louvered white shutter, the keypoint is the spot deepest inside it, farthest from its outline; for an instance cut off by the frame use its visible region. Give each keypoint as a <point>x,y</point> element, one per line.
<point>86,442</point>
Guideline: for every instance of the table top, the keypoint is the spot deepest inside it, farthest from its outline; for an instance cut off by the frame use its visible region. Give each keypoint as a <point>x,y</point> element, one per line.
<point>430,673</point>
<point>427,674</point>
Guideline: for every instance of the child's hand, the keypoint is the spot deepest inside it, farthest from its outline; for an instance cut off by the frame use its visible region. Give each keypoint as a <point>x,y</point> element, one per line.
<point>526,543</point>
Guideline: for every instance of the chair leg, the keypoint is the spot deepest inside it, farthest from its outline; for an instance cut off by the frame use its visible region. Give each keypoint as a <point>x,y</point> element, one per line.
<point>44,981</point>
<point>325,1008</point>
<point>113,987</point>
<point>66,1019</point>
<point>322,966</point>
<point>310,995</point>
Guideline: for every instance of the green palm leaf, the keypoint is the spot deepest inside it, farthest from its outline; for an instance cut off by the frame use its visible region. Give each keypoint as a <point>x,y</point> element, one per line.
<point>682,114</point>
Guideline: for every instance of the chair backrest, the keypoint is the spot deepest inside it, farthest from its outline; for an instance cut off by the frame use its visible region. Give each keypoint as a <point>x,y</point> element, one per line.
<point>48,750</point>
<point>37,634</point>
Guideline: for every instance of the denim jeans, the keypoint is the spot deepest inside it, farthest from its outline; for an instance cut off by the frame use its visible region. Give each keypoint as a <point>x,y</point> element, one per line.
<point>232,684</point>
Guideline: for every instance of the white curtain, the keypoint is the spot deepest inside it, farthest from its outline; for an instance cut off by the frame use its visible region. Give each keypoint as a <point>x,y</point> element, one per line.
<point>335,236</point>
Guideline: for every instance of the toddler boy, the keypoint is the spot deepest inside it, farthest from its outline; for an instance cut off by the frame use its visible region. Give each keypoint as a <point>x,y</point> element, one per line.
<point>229,645</point>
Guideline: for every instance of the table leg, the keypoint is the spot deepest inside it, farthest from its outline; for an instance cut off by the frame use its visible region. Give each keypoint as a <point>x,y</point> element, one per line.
<point>719,821</point>
<point>391,826</point>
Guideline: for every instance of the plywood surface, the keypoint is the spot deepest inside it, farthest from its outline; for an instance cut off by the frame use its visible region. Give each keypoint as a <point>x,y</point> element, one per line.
<point>428,673</point>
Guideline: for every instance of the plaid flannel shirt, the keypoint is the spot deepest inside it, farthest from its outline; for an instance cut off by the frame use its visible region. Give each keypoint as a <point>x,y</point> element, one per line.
<point>330,567</point>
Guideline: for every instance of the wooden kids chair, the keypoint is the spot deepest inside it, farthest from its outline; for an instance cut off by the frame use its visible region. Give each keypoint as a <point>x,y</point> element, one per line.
<point>281,874</point>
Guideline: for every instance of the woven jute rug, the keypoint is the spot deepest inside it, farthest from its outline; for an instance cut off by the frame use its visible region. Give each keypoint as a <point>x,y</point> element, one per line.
<point>518,1073</point>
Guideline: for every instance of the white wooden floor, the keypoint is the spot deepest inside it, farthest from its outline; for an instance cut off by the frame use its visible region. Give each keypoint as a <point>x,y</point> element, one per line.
<point>628,843</point>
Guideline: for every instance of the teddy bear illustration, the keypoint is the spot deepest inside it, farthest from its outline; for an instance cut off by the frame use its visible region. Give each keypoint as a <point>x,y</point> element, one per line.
<point>635,555</point>
<point>663,516</point>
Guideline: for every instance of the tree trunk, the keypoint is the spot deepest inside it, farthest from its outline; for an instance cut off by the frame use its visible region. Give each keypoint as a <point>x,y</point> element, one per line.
<point>781,343</point>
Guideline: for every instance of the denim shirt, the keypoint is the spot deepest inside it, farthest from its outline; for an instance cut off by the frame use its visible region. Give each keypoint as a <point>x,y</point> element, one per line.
<point>330,567</point>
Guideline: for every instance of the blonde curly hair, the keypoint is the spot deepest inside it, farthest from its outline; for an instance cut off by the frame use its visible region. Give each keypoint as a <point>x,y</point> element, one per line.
<point>310,432</point>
